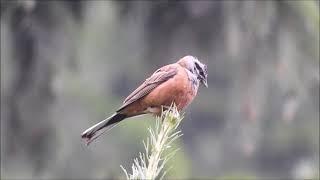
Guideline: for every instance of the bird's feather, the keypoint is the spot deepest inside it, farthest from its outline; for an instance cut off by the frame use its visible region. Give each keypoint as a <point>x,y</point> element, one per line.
<point>157,78</point>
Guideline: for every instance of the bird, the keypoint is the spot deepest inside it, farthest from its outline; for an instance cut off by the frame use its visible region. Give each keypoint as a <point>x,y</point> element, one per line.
<point>176,83</point>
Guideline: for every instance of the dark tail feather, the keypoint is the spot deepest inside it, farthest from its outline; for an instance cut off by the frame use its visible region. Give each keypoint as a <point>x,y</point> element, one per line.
<point>97,130</point>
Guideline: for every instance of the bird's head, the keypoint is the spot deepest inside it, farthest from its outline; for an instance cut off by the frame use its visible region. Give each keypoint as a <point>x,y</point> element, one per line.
<point>196,67</point>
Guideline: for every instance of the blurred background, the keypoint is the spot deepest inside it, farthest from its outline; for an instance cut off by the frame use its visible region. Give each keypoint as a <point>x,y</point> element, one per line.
<point>66,65</point>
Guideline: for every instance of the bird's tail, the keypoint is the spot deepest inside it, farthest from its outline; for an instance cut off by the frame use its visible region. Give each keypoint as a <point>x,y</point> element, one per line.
<point>98,129</point>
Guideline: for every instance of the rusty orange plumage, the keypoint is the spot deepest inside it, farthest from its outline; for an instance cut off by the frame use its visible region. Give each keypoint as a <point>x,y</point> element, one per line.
<point>174,83</point>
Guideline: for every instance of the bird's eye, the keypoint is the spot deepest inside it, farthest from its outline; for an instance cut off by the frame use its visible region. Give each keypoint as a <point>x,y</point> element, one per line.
<point>197,66</point>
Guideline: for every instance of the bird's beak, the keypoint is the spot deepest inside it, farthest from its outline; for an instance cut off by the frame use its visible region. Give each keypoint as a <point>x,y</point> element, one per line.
<point>205,83</point>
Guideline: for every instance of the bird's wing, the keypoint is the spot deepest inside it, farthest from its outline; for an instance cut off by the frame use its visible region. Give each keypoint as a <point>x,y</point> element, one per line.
<point>158,77</point>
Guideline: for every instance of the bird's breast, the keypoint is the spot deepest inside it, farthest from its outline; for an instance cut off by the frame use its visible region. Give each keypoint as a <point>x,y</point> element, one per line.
<point>178,89</point>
